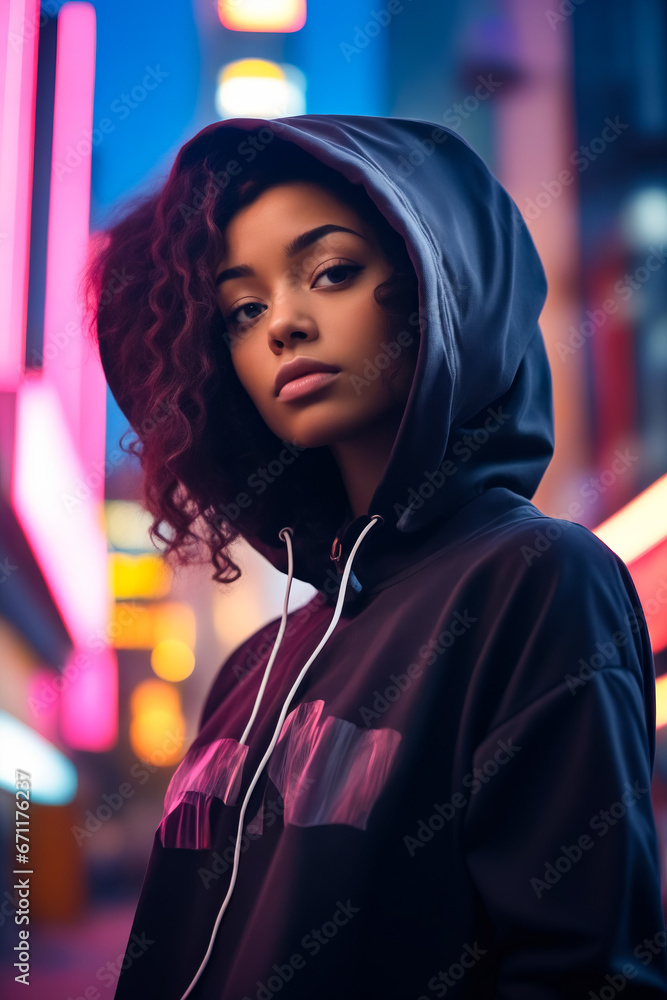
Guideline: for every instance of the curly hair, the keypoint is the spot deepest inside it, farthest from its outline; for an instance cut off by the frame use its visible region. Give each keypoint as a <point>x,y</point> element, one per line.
<point>165,352</point>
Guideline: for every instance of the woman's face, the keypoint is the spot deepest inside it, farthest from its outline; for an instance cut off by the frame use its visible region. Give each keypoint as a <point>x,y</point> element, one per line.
<point>311,300</point>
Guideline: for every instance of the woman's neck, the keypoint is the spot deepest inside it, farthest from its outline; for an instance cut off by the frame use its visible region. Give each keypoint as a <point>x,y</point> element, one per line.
<point>362,459</point>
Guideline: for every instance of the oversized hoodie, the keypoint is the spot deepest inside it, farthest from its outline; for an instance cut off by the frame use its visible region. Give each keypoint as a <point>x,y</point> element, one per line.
<point>441,764</point>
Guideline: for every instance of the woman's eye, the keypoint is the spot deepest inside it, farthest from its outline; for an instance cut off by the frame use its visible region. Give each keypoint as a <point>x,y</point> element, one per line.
<point>236,319</point>
<point>339,272</point>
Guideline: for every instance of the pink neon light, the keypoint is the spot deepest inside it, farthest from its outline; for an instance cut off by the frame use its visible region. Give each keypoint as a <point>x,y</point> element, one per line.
<point>69,361</point>
<point>50,499</point>
<point>649,575</point>
<point>19,33</point>
<point>44,703</point>
<point>89,700</point>
<point>53,458</point>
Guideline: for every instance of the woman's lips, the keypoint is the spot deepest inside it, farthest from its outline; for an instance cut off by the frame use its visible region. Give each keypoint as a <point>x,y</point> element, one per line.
<point>305,384</point>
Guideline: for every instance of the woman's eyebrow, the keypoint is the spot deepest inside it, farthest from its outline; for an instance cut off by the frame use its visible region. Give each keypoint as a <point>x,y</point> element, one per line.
<point>298,244</point>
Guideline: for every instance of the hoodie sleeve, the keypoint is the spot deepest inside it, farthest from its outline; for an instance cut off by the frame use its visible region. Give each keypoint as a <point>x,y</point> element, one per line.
<point>560,837</point>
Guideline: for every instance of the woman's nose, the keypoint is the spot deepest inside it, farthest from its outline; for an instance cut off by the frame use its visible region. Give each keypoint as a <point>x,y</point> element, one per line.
<point>289,321</point>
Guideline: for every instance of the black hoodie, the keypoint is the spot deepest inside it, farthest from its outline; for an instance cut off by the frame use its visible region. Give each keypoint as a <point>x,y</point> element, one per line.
<point>445,789</point>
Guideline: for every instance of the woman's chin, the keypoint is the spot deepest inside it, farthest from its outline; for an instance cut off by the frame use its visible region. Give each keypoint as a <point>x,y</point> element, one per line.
<point>317,427</point>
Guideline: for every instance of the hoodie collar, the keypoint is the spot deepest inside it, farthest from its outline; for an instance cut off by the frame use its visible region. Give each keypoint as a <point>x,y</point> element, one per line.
<point>386,553</point>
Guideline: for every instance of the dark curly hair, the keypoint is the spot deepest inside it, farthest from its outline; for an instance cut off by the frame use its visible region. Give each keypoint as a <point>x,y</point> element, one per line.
<point>165,351</point>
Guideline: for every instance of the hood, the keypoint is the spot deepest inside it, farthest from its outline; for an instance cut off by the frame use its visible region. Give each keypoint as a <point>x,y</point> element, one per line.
<point>479,414</point>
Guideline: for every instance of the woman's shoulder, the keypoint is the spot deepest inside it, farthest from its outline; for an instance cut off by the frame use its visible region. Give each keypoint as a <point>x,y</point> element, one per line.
<point>236,666</point>
<point>253,652</point>
<point>528,543</point>
<point>550,582</point>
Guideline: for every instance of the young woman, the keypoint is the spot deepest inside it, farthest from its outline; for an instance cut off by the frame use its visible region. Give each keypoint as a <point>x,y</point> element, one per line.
<point>434,778</point>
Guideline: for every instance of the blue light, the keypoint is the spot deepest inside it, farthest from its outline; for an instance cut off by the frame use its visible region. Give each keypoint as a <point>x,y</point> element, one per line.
<point>53,778</point>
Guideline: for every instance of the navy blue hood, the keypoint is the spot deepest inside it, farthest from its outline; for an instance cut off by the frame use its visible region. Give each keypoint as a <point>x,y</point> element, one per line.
<point>479,413</point>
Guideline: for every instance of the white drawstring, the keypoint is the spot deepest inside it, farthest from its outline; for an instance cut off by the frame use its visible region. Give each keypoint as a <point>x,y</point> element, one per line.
<point>281,631</point>
<point>285,534</point>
